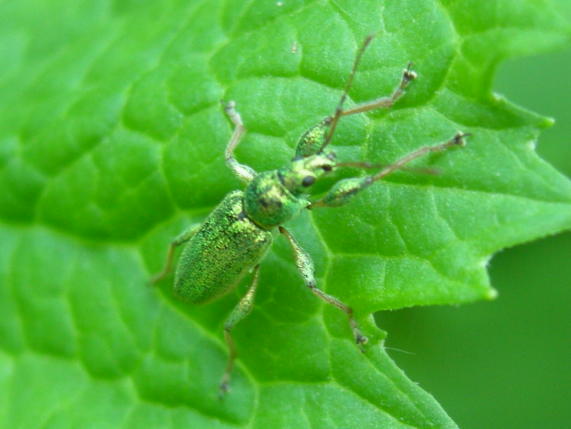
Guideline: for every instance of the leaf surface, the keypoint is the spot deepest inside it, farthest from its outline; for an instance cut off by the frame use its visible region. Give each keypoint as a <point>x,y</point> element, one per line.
<point>112,140</point>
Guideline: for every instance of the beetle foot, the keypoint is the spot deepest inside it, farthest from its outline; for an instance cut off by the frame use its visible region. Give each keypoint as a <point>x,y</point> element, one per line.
<point>408,75</point>
<point>223,389</point>
<point>361,340</point>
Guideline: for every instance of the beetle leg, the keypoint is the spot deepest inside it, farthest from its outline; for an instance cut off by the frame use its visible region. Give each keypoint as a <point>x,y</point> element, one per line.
<point>408,75</point>
<point>239,312</point>
<point>345,189</point>
<point>305,266</point>
<point>181,239</point>
<point>242,171</point>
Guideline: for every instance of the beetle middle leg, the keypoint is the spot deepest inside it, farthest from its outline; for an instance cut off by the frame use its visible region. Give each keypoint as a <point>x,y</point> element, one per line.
<point>181,239</point>
<point>244,172</point>
<point>305,266</point>
<point>239,312</point>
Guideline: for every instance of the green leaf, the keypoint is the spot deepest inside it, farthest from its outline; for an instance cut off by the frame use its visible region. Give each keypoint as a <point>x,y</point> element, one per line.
<point>112,141</point>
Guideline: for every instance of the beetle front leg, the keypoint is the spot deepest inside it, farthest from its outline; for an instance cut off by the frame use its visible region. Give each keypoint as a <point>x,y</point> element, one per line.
<point>345,189</point>
<point>181,239</point>
<point>305,266</point>
<point>408,75</point>
<point>242,171</point>
<point>239,312</point>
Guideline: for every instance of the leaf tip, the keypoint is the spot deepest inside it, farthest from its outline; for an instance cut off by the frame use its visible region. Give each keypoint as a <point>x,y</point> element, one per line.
<point>491,294</point>
<point>547,122</point>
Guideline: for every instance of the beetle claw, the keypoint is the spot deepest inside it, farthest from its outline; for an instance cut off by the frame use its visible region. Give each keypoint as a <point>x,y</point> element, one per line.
<point>223,389</point>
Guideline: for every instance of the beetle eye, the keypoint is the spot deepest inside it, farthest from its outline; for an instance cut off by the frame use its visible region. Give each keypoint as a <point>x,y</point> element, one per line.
<point>308,181</point>
<point>327,167</point>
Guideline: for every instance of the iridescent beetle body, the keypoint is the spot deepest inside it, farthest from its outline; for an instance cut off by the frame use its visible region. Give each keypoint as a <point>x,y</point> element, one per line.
<point>225,247</point>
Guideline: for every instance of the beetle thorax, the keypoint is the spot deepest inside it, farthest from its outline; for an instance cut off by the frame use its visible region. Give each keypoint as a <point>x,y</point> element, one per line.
<point>268,203</point>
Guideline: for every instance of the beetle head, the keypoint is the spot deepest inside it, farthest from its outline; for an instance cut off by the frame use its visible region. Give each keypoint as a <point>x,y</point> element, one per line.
<point>305,171</point>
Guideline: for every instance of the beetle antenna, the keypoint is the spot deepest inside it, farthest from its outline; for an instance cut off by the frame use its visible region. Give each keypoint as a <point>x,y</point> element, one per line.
<point>339,110</point>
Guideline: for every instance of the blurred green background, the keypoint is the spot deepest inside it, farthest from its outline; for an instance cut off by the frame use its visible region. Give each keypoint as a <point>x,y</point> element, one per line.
<point>507,363</point>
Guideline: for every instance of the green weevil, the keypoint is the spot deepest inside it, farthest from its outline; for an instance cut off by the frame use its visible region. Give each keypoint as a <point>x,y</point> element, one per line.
<point>235,237</point>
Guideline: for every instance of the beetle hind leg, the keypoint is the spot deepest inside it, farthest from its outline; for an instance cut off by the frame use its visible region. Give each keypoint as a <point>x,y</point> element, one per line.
<point>305,266</point>
<point>181,239</point>
<point>242,309</point>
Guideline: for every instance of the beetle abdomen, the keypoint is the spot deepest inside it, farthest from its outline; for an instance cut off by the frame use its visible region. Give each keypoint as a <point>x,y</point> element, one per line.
<point>223,250</point>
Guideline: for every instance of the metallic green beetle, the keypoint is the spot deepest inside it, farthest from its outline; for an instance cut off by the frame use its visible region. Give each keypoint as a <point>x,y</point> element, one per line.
<point>235,237</point>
